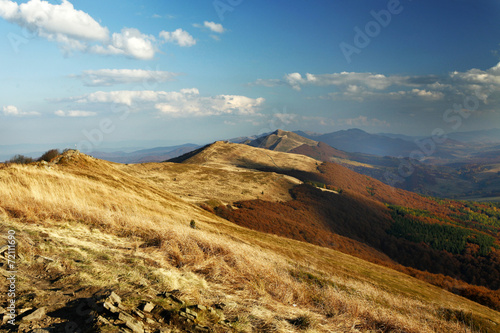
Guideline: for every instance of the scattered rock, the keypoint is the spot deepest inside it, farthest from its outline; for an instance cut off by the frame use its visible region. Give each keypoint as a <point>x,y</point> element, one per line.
<point>42,259</point>
<point>202,329</point>
<point>138,313</point>
<point>131,322</point>
<point>109,306</point>
<point>5,318</point>
<point>3,249</point>
<point>148,317</point>
<point>35,315</point>
<point>147,307</point>
<point>39,330</point>
<point>23,311</point>
<point>175,299</point>
<point>191,312</point>
<point>160,314</point>
<point>198,307</point>
<point>102,320</point>
<point>114,298</point>
<point>188,316</point>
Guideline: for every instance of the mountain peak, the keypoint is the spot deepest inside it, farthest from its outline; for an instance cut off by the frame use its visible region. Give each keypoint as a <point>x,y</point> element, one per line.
<point>356,130</point>
<point>281,140</point>
<point>280,132</point>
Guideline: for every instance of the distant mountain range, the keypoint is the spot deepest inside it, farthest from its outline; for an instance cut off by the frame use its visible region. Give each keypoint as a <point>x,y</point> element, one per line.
<point>455,170</point>
<point>358,141</point>
<point>459,146</point>
<point>157,154</point>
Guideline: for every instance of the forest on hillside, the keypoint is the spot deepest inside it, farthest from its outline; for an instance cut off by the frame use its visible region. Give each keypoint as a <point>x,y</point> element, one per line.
<point>452,244</point>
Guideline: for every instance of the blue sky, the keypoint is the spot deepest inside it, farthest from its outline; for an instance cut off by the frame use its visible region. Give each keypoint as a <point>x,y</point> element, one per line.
<point>94,73</point>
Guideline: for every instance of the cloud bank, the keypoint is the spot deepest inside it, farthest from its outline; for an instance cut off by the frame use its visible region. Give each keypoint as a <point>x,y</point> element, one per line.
<point>111,77</point>
<point>361,86</point>
<point>74,30</point>
<point>183,103</point>
<point>74,113</point>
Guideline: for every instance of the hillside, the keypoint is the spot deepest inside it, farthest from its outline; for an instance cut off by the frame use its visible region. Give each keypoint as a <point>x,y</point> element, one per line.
<point>369,212</point>
<point>280,140</point>
<point>86,227</point>
<point>213,186</point>
<point>233,156</point>
<point>321,152</point>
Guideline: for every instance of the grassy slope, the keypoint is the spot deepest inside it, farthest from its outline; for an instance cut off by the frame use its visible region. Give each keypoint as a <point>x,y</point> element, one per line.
<point>203,183</point>
<point>108,228</point>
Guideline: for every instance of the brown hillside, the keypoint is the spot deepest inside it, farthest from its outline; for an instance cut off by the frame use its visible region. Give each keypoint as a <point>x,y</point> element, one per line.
<point>318,217</point>
<point>320,152</point>
<point>84,227</point>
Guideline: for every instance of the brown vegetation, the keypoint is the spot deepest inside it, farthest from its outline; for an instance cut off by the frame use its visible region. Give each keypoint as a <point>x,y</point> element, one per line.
<point>359,216</point>
<point>83,212</point>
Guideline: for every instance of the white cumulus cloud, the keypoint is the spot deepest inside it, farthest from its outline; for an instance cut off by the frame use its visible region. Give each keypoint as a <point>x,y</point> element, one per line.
<point>195,105</point>
<point>214,27</point>
<point>483,84</point>
<point>343,79</point>
<point>421,93</point>
<point>75,30</point>
<point>179,37</point>
<point>11,110</point>
<point>183,103</point>
<point>75,113</point>
<point>52,20</point>
<point>62,23</point>
<point>130,42</point>
<point>110,77</point>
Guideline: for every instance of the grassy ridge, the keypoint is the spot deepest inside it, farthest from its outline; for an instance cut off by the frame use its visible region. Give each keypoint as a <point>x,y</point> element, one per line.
<point>80,207</point>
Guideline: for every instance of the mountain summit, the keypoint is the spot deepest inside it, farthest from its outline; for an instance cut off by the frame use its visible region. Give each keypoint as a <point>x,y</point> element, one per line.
<point>283,141</point>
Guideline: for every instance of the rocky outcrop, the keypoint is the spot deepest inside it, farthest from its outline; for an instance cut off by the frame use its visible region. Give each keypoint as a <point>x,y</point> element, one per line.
<point>167,311</point>
<point>109,313</point>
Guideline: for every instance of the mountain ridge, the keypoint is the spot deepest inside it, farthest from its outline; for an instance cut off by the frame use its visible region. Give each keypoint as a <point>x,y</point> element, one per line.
<point>118,227</point>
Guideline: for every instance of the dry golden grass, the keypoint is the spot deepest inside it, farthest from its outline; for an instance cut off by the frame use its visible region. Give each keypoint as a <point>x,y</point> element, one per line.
<point>232,156</point>
<point>200,183</point>
<point>109,228</point>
